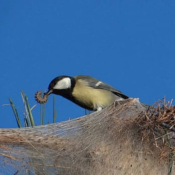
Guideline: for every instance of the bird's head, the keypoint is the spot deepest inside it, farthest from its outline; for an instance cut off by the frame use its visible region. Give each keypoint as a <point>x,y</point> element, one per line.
<point>61,85</point>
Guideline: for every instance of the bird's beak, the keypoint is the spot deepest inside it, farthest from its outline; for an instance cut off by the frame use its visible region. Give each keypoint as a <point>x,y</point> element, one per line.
<point>48,92</point>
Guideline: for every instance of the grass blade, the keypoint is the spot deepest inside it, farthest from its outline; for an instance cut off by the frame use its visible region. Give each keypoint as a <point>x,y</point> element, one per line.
<point>54,110</point>
<point>28,109</point>
<point>42,113</point>
<point>26,116</point>
<point>15,113</point>
<point>26,122</point>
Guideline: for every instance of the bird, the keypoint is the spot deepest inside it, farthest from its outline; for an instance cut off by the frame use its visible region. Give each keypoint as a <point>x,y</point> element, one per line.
<point>85,91</point>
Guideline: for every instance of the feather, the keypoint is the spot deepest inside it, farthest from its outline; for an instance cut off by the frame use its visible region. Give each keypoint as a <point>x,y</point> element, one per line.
<point>97,84</point>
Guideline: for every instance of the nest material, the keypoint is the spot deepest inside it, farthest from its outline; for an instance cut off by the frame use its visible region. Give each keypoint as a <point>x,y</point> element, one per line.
<point>39,98</point>
<point>157,126</point>
<point>117,140</point>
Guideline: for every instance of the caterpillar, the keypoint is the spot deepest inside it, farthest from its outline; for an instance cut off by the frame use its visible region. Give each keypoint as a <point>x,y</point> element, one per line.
<point>39,98</point>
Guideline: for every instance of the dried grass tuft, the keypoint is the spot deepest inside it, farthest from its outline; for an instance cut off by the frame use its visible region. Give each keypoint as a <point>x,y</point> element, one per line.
<point>157,127</point>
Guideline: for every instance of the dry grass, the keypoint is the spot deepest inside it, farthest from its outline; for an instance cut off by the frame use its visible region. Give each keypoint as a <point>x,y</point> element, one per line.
<point>122,139</point>
<point>157,126</point>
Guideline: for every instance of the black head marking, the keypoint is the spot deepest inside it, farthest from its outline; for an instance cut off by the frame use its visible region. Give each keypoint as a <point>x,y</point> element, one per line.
<point>61,91</point>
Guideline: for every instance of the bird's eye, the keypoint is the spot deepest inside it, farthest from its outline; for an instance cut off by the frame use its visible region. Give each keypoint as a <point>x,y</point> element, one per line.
<point>51,85</point>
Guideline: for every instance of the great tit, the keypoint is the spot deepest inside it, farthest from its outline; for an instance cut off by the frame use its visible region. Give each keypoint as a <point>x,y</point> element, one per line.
<point>85,91</point>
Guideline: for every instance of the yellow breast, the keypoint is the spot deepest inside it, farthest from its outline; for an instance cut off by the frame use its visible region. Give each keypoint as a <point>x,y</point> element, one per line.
<point>93,98</point>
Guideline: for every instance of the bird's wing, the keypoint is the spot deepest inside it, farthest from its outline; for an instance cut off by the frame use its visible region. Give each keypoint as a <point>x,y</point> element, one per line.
<point>97,84</point>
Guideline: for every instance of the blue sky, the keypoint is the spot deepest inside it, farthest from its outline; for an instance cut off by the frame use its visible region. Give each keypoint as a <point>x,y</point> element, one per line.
<point>127,44</point>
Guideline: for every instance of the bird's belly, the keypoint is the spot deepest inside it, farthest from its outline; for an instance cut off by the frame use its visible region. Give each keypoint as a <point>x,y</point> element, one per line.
<point>92,99</point>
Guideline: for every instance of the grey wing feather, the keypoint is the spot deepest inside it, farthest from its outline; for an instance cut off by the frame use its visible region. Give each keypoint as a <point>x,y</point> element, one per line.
<point>97,84</point>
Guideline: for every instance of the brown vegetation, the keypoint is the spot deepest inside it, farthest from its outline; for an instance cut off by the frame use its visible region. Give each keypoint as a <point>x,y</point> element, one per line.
<point>123,139</point>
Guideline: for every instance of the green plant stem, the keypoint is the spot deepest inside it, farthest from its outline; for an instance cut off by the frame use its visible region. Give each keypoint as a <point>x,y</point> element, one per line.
<point>15,113</point>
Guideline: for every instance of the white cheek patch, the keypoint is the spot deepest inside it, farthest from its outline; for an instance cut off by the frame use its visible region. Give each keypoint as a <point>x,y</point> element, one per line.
<point>65,83</point>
